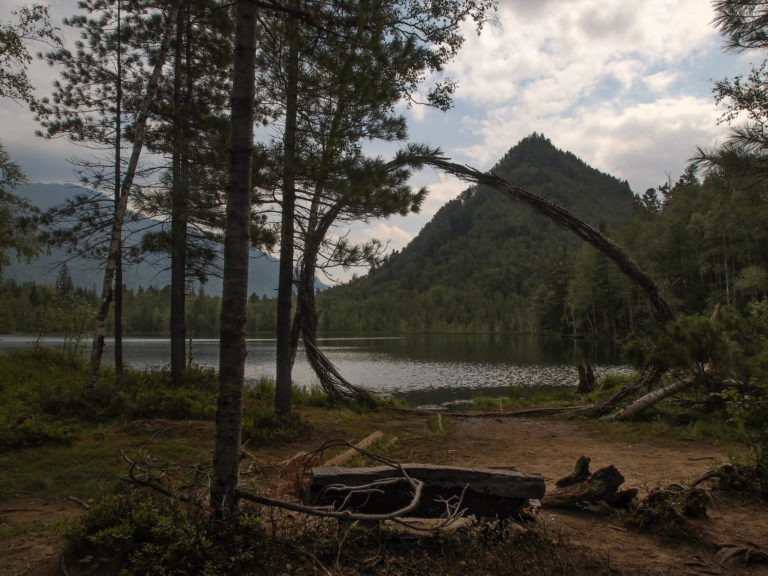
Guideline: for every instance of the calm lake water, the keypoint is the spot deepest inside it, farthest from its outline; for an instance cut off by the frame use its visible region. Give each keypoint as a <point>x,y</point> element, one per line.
<point>424,369</point>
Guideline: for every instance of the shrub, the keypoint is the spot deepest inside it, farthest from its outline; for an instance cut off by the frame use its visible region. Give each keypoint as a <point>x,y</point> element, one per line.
<point>748,408</point>
<point>152,394</point>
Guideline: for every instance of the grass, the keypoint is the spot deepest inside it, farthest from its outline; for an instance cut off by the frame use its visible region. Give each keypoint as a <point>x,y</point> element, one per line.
<point>522,397</point>
<point>72,447</point>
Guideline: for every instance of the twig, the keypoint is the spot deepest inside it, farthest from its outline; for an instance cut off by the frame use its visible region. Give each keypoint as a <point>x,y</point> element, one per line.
<point>77,500</point>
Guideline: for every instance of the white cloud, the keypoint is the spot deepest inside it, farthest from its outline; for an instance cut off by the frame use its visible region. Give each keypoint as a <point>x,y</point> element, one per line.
<point>445,189</point>
<point>623,84</point>
<point>660,82</point>
<point>639,142</point>
<point>394,236</point>
<point>566,50</point>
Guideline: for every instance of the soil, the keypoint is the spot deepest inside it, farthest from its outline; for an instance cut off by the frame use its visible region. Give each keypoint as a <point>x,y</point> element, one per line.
<point>722,544</point>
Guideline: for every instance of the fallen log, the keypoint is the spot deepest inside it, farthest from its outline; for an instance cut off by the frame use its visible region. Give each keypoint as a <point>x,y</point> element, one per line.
<point>649,400</point>
<point>447,490</point>
<point>602,486</point>
<point>350,453</point>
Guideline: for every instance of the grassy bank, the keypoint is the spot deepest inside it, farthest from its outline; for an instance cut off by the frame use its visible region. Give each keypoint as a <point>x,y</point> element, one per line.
<point>56,445</point>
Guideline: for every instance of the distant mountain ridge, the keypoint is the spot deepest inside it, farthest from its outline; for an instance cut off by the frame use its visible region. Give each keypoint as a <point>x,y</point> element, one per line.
<point>262,273</point>
<point>483,260</point>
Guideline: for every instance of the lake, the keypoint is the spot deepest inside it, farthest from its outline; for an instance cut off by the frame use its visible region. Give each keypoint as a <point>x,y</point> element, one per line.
<point>423,369</point>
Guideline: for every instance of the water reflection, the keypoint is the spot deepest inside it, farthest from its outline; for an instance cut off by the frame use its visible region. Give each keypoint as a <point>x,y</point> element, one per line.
<point>422,369</point>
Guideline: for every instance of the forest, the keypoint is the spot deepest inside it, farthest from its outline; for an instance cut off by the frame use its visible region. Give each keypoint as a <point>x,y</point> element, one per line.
<point>173,100</point>
<point>486,264</point>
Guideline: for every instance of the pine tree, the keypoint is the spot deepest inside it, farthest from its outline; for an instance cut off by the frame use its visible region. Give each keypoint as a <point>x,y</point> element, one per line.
<point>350,77</point>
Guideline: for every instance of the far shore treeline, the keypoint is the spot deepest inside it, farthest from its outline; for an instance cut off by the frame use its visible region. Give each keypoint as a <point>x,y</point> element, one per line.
<point>486,264</point>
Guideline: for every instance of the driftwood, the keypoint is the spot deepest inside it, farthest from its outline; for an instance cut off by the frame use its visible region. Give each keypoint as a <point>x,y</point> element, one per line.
<point>484,492</point>
<point>655,396</point>
<point>602,487</point>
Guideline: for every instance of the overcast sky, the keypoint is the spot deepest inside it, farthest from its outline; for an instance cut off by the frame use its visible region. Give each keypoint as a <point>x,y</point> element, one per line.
<point>626,85</point>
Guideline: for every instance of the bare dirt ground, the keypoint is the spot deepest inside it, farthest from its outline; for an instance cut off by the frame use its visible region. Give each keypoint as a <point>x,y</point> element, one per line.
<point>550,447</point>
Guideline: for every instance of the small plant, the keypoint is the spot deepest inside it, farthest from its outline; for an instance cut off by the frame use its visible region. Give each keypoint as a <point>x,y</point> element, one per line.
<point>748,409</point>
<point>152,394</point>
<point>262,425</point>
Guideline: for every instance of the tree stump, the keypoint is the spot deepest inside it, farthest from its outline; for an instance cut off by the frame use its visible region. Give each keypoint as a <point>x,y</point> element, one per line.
<point>586,378</point>
<point>602,486</point>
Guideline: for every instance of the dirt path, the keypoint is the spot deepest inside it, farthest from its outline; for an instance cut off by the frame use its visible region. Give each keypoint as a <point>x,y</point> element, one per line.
<point>36,552</point>
<point>550,447</point>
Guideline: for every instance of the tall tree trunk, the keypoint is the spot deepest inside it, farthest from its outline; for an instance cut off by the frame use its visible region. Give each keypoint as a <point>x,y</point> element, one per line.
<point>118,160</point>
<point>226,455</point>
<point>286,349</point>
<point>178,214</point>
<point>117,226</point>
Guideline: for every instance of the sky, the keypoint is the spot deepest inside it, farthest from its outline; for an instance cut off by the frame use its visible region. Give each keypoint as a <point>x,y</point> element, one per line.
<point>626,85</point>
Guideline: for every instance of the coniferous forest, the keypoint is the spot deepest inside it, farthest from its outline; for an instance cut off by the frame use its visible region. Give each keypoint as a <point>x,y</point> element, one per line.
<point>487,264</point>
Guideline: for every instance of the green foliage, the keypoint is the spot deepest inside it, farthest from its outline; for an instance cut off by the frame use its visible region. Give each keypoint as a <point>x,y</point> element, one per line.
<point>17,216</point>
<point>152,394</point>
<point>261,425</point>
<point>521,396</point>
<point>689,341</point>
<point>439,283</point>
<point>40,394</point>
<point>32,24</point>
<point>131,534</point>
<point>748,408</point>
<point>33,308</point>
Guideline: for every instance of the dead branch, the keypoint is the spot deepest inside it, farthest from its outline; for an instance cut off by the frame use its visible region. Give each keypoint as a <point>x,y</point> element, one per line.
<point>514,414</point>
<point>483,492</point>
<point>348,515</point>
<point>334,384</point>
<point>77,500</point>
<point>157,478</point>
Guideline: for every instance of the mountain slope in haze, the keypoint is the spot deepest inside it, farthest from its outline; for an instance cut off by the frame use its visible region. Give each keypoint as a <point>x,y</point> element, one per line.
<point>482,260</point>
<point>153,271</point>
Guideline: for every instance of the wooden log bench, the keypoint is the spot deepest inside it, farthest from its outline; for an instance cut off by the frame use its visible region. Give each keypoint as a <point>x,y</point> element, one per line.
<point>483,492</point>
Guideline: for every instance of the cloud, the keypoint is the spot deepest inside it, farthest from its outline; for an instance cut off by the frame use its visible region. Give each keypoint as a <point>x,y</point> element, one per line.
<point>623,84</point>
<point>566,50</point>
<point>640,142</point>
<point>395,236</point>
<point>443,190</point>
<point>660,82</point>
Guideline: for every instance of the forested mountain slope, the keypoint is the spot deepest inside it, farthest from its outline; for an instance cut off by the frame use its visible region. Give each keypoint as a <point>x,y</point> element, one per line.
<point>484,262</point>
